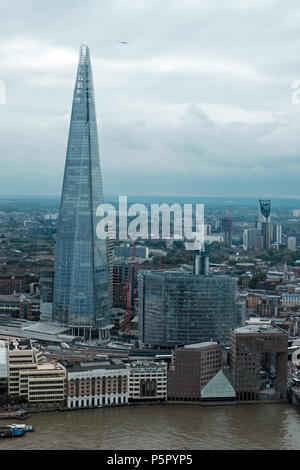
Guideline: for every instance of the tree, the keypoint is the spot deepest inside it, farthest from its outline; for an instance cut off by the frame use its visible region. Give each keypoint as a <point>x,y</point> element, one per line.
<point>258,277</point>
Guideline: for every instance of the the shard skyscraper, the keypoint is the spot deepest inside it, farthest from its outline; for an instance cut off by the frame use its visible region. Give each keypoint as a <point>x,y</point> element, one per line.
<point>81,279</point>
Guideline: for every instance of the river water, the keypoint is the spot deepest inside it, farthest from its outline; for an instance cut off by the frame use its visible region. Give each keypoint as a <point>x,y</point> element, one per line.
<point>163,427</point>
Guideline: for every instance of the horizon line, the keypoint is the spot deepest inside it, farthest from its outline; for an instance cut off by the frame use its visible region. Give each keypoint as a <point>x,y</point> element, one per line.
<point>158,195</point>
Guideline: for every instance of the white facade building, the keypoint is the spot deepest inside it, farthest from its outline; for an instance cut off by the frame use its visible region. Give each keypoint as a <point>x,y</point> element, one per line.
<point>92,385</point>
<point>147,380</point>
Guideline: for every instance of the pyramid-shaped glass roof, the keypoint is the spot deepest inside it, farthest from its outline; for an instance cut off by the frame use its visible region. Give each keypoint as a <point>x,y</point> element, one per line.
<point>218,387</point>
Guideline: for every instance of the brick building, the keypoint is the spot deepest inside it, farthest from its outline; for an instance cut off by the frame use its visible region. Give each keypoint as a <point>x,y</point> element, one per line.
<point>12,284</point>
<point>192,367</point>
<point>26,307</point>
<point>258,360</point>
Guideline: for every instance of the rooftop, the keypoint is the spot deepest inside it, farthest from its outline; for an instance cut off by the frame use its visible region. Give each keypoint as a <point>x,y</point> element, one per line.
<point>17,298</point>
<point>218,387</point>
<point>201,345</point>
<point>85,366</point>
<point>19,344</point>
<point>40,331</point>
<point>259,328</point>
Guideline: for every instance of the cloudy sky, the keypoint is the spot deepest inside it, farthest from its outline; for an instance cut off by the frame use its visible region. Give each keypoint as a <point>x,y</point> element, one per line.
<point>200,102</point>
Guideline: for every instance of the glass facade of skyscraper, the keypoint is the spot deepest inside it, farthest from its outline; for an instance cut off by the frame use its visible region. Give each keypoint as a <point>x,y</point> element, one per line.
<point>81,280</point>
<point>178,308</point>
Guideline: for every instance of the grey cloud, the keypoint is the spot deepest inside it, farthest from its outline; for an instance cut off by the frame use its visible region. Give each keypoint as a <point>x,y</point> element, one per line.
<point>151,94</point>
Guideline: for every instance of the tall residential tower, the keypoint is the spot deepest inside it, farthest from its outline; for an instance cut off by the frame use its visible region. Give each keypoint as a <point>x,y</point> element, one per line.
<point>81,278</point>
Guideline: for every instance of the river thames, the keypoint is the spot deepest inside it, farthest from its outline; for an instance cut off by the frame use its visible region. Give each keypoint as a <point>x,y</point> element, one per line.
<point>163,427</point>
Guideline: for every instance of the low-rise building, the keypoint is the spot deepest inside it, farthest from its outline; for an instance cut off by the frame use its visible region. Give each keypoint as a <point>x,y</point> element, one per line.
<point>24,306</point>
<point>31,378</point>
<point>46,384</point>
<point>147,380</point>
<point>96,384</point>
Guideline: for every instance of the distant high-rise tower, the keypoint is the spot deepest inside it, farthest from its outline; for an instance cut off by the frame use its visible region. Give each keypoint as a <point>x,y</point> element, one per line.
<point>226,227</point>
<point>264,223</point>
<point>81,279</point>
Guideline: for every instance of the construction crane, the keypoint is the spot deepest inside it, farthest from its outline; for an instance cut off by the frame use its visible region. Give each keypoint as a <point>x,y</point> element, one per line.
<point>129,283</point>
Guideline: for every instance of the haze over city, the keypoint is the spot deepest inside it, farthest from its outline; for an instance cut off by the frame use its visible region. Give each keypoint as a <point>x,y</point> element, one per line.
<point>208,113</point>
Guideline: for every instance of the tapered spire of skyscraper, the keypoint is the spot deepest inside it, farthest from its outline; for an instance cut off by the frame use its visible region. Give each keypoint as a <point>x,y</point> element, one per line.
<point>81,280</point>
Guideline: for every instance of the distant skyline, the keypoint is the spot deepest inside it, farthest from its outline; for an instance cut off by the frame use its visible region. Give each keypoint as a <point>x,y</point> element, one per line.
<point>198,103</point>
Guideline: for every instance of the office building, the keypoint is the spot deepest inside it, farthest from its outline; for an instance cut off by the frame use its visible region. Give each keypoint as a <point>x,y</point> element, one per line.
<point>258,361</point>
<point>46,294</point>
<point>23,306</point>
<point>180,308</point>
<point>44,385</point>
<point>82,287</point>
<point>12,285</point>
<point>32,378</point>
<point>192,367</point>
<point>147,381</point>
<point>96,384</point>
<point>292,243</point>
<point>252,240</point>
<point>226,228</point>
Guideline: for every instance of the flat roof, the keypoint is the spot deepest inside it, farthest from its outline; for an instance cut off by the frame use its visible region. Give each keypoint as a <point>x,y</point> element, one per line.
<point>48,328</point>
<point>205,344</point>
<point>260,328</point>
<point>85,366</point>
<point>19,344</point>
<point>16,298</point>
<point>41,331</point>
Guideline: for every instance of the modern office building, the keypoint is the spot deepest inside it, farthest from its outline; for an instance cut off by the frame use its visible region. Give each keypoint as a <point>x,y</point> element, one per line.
<point>82,286</point>
<point>46,295</point>
<point>192,367</point>
<point>292,243</point>
<point>258,361</point>
<point>147,381</point>
<point>226,228</point>
<point>178,308</point>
